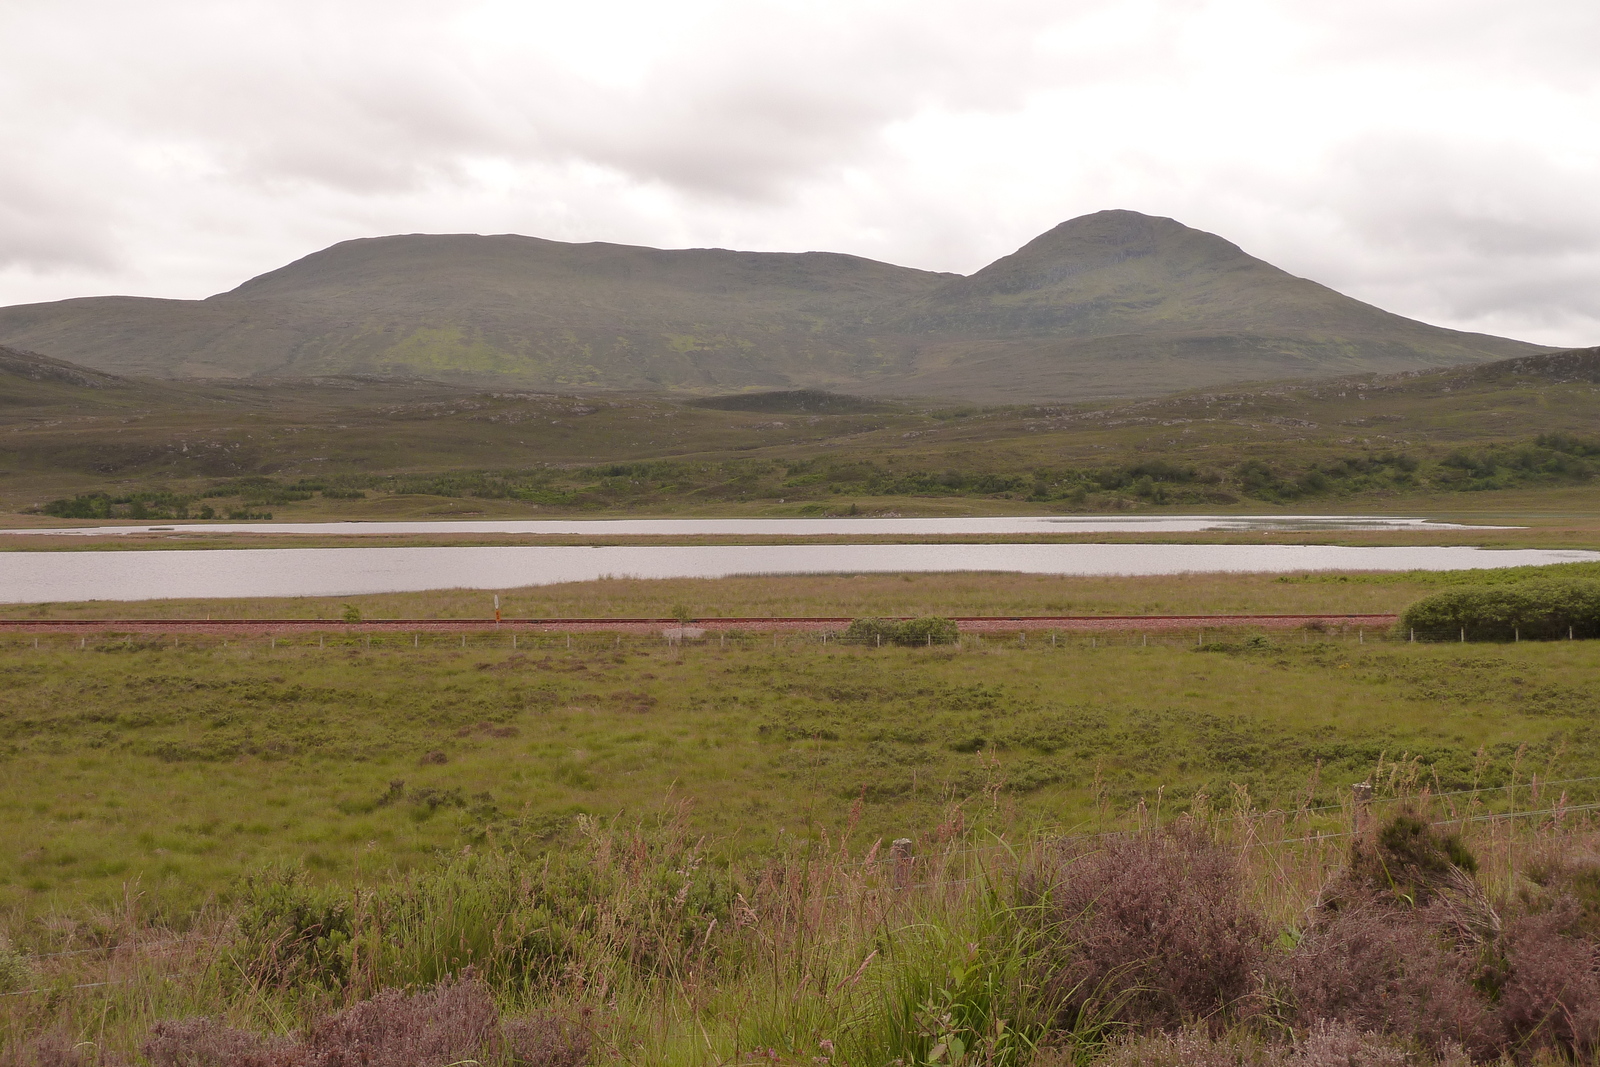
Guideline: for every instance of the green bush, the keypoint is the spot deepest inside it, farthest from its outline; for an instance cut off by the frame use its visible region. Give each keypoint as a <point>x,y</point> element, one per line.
<point>643,900</point>
<point>1537,610</point>
<point>16,970</point>
<point>141,505</point>
<point>930,629</point>
<point>293,933</point>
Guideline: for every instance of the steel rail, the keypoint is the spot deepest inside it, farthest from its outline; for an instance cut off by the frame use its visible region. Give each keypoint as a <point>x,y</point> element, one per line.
<point>971,623</point>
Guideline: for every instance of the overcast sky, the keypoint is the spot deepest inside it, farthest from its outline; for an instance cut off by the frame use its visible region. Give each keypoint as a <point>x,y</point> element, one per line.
<point>1440,158</point>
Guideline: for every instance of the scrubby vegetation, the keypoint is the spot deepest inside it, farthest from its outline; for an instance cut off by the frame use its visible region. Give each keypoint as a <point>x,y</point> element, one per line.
<point>252,493</point>
<point>1536,610</point>
<point>928,631</point>
<point>1546,461</point>
<point>1225,937</point>
<point>307,447</point>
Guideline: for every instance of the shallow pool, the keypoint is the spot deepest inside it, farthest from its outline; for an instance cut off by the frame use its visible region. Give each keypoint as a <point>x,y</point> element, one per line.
<point>32,577</point>
<point>990,524</point>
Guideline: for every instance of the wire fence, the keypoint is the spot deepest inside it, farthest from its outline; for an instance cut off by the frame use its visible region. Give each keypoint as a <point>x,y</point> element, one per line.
<point>1077,841</point>
<point>899,865</point>
<point>1337,821</point>
<point>1221,638</point>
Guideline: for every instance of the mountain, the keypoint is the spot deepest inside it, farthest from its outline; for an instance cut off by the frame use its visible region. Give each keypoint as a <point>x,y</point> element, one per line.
<point>41,386</point>
<point>1114,303</point>
<point>18,366</point>
<point>1162,306</point>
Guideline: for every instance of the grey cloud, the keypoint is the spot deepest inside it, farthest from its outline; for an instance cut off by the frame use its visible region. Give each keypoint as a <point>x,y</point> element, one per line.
<point>771,97</point>
<point>46,226</point>
<point>1553,41</point>
<point>1485,199</point>
<point>768,105</point>
<point>141,135</point>
<point>1491,227</point>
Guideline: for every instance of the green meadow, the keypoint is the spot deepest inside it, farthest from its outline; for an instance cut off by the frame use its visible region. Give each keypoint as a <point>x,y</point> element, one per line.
<point>180,767</point>
<point>618,850</point>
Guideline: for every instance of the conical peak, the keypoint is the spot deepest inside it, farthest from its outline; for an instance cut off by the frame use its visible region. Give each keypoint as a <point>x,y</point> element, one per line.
<point>1108,237</point>
<point>1117,226</point>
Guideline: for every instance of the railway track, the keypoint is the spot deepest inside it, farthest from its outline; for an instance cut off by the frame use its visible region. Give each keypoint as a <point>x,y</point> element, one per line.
<point>965,623</point>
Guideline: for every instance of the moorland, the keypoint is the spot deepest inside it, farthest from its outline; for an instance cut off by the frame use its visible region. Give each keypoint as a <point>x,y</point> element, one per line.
<point>680,853</point>
<point>186,763</point>
<point>1134,849</point>
<point>1513,436</point>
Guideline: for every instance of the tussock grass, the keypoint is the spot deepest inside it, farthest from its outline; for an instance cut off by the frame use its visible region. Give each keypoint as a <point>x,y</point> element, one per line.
<point>652,951</point>
<point>179,767</point>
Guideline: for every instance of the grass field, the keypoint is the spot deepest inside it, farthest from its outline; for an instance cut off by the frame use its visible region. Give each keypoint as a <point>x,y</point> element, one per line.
<point>678,854</point>
<point>189,831</point>
<point>183,768</point>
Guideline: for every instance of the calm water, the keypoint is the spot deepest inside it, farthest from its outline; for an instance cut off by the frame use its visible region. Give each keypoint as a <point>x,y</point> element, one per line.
<point>1002,524</point>
<point>31,577</point>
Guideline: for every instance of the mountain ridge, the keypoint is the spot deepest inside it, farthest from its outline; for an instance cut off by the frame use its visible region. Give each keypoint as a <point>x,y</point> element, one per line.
<point>1113,303</point>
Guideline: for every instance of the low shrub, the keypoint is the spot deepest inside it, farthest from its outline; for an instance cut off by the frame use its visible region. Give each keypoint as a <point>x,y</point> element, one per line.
<point>1550,996</point>
<point>547,1040</point>
<point>204,1041</point>
<point>1324,1045</point>
<point>1410,862</point>
<point>1554,880</point>
<point>927,630</point>
<point>57,1047</point>
<point>1404,941</point>
<point>292,933</point>
<point>1151,931</point>
<point>1391,970</point>
<point>1343,1045</point>
<point>1401,971</point>
<point>16,971</point>
<point>1545,610</point>
<point>451,1023</point>
<point>519,923</point>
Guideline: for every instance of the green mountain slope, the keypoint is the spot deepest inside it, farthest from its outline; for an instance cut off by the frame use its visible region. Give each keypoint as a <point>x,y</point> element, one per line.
<point>1161,305</point>
<point>1115,303</point>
